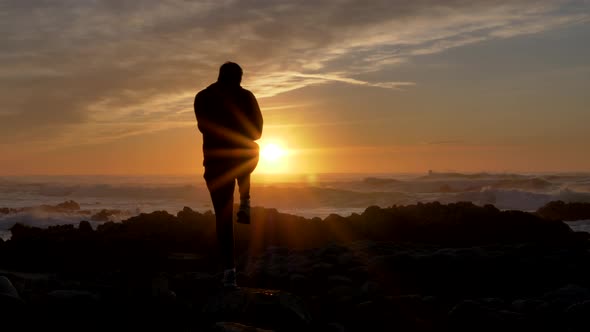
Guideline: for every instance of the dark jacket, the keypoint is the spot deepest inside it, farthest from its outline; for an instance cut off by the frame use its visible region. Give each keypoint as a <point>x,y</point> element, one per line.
<point>230,120</point>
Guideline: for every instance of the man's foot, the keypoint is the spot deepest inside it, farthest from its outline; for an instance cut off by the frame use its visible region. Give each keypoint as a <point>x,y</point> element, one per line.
<point>244,212</point>
<point>229,278</point>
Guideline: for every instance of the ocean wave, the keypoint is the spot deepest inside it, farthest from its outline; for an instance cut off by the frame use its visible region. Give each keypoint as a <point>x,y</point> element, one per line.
<point>579,225</point>
<point>513,199</point>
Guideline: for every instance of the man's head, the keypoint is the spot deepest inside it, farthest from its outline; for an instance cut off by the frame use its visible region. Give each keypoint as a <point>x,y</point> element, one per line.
<point>230,73</point>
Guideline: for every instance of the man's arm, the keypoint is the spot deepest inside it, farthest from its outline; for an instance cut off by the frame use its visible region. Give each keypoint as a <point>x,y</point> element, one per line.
<point>256,118</point>
<point>199,108</point>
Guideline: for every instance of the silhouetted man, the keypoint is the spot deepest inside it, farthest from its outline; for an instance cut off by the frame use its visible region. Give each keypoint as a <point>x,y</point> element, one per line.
<point>229,118</point>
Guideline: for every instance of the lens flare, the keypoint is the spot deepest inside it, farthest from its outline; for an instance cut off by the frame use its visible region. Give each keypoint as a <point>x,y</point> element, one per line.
<point>272,152</point>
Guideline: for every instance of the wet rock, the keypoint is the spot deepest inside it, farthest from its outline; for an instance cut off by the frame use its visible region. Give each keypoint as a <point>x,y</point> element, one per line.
<point>346,259</point>
<point>269,309</point>
<point>339,280</point>
<point>528,305</point>
<point>8,294</point>
<point>563,297</point>
<point>358,273</point>
<point>193,283</point>
<point>578,316</point>
<point>161,289</point>
<point>104,215</point>
<point>188,214</point>
<point>283,251</point>
<point>85,227</point>
<point>386,315</point>
<point>331,251</point>
<point>343,293</point>
<point>71,296</point>
<point>469,315</point>
<point>371,289</point>
<point>492,302</point>
<point>298,282</point>
<point>298,264</point>
<point>236,327</point>
<point>322,270</point>
<point>67,206</point>
<point>335,327</point>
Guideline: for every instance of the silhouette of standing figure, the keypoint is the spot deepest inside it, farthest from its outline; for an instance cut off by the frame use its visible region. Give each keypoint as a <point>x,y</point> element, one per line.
<point>230,120</point>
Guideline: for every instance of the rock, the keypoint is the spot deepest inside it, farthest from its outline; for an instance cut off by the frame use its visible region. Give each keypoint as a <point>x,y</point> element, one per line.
<point>298,282</point>
<point>563,297</point>
<point>578,316</point>
<point>14,315</point>
<point>339,280</point>
<point>85,226</point>
<point>271,309</point>
<point>68,295</point>
<point>194,284</point>
<point>358,273</point>
<point>381,315</point>
<point>235,327</point>
<point>335,327</point>
<point>492,302</point>
<point>527,305</point>
<point>188,214</point>
<point>342,293</point>
<point>321,269</point>
<point>559,210</point>
<point>331,250</point>
<point>282,251</point>
<point>102,215</point>
<point>346,259</point>
<point>68,205</point>
<point>469,315</point>
<point>8,294</point>
<point>297,263</point>
<point>371,289</point>
<point>161,289</point>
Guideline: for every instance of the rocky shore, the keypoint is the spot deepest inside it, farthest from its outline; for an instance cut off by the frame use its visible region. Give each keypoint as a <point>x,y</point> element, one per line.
<point>425,267</point>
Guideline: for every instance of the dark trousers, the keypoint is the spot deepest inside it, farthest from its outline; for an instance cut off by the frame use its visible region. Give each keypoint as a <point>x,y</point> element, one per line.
<point>221,176</point>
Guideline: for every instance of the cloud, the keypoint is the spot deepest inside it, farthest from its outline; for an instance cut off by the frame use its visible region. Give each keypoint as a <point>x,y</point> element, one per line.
<point>446,142</point>
<point>80,69</point>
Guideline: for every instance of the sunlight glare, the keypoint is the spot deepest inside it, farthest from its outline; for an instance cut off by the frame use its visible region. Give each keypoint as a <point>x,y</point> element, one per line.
<point>274,157</point>
<point>272,152</point>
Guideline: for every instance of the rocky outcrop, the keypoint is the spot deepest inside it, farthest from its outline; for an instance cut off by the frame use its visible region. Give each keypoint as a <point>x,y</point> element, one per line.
<point>105,215</point>
<point>559,210</point>
<point>264,308</point>
<point>67,207</point>
<point>236,327</point>
<point>424,267</point>
<point>8,294</point>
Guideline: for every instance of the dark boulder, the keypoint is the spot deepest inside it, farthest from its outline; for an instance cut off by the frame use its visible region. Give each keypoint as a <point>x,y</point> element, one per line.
<point>236,327</point>
<point>469,315</point>
<point>559,210</point>
<point>269,309</point>
<point>8,294</point>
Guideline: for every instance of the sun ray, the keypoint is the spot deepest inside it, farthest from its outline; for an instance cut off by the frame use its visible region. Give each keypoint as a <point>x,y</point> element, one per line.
<point>274,157</point>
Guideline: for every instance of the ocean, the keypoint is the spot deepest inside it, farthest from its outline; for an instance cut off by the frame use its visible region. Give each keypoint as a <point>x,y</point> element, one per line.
<point>306,195</point>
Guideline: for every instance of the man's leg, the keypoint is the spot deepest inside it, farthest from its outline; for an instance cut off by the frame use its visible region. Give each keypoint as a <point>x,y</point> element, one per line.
<point>244,187</point>
<point>246,166</point>
<point>222,196</point>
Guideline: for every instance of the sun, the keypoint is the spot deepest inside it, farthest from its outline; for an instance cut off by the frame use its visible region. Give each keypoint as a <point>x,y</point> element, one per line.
<point>272,152</point>
<point>274,157</point>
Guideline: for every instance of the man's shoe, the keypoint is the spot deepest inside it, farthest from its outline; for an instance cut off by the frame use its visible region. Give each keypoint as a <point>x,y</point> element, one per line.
<point>229,278</point>
<point>244,212</point>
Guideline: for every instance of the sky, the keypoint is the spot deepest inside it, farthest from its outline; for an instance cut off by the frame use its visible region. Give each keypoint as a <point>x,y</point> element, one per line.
<point>345,86</point>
